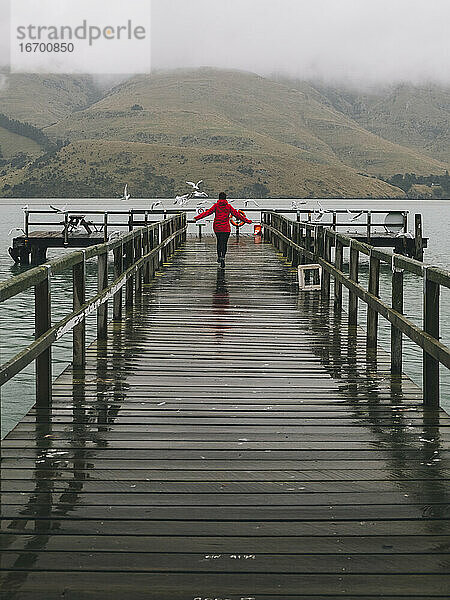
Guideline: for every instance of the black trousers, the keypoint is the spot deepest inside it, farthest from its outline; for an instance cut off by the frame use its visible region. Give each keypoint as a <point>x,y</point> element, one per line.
<point>222,242</point>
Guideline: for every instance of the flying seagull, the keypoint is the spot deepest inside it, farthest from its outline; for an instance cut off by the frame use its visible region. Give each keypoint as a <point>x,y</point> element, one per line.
<point>16,229</point>
<point>296,203</point>
<point>247,202</point>
<point>57,209</point>
<point>195,186</point>
<point>126,195</point>
<point>182,200</point>
<point>155,204</point>
<point>356,216</point>
<point>200,195</point>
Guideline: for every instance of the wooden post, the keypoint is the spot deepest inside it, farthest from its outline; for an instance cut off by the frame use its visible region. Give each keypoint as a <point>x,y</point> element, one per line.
<point>42,323</point>
<point>396,334</point>
<point>146,250</point>
<point>326,256</point>
<point>66,229</point>
<point>418,240</point>
<point>353,298</point>
<point>431,326</point>
<point>338,262</point>
<point>26,227</point>
<point>118,270</point>
<point>372,315</point>
<point>105,226</point>
<point>79,298</point>
<point>295,239</point>
<point>129,259</point>
<point>334,220</point>
<point>137,256</point>
<point>102,283</point>
<point>369,225</point>
<point>130,220</point>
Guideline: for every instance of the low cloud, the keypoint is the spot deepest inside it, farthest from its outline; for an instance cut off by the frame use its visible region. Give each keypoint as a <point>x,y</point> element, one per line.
<point>353,41</point>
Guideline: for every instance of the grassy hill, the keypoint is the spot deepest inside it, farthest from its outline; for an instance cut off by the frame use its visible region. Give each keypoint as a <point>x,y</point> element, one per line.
<point>99,168</point>
<point>417,117</point>
<point>45,99</point>
<point>238,131</point>
<point>225,109</point>
<point>12,144</point>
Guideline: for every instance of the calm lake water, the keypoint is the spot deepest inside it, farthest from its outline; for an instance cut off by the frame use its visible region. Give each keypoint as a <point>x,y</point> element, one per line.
<point>17,315</point>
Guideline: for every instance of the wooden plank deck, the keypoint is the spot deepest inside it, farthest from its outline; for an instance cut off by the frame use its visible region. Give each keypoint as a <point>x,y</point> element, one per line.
<point>230,441</point>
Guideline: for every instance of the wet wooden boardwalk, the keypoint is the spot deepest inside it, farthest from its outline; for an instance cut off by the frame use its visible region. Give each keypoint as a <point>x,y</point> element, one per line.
<point>230,442</point>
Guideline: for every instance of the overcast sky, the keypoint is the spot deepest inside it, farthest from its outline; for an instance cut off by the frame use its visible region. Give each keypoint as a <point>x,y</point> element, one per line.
<point>359,41</point>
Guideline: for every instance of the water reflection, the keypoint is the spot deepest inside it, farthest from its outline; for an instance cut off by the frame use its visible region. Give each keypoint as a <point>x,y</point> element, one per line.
<point>220,304</point>
<point>65,442</point>
<point>390,409</point>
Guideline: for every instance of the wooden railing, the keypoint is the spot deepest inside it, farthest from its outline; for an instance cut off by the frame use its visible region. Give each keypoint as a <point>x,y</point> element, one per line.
<point>136,255</point>
<point>306,243</point>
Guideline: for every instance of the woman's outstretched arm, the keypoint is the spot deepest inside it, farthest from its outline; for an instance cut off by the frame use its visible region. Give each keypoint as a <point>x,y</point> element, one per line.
<point>206,213</point>
<point>239,215</point>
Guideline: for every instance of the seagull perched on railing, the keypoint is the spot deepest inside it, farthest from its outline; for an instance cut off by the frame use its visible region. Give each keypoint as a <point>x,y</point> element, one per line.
<point>247,202</point>
<point>113,234</point>
<point>59,210</point>
<point>155,204</point>
<point>25,207</point>
<point>405,234</point>
<point>126,196</point>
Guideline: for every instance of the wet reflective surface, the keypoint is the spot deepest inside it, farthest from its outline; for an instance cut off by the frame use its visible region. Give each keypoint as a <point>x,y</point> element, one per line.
<point>232,440</point>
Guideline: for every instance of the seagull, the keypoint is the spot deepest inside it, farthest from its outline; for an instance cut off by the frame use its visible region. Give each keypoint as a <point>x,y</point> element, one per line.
<point>16,229</point>
<point>404,234</point>
<point>202,203</point>
<point>155,204</point>
<point>296,203</point>
<point>126,195</point>
<point>59,210</point>
<point>113,234</point>
<point>200,195</point>
<point>183,198</point>
<point>25,207</point>
<point>195,186</point>
<point>356,216</point>
<point>247,202</point>
<point>319,216</point>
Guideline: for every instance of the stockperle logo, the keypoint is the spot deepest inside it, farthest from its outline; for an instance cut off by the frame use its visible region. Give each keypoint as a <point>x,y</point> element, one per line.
<point>80,36</point>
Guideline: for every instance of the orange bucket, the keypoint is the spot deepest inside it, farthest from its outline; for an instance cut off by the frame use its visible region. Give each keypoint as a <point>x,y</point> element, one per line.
<point>257,230</point>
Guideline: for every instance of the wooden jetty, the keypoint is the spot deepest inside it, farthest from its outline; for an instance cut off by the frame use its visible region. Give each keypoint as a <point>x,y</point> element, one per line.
<point>228,436</point>
<point>381,228</point>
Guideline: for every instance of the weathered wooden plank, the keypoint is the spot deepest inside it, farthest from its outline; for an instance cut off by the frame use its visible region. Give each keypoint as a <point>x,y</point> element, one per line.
<point>265,432</point>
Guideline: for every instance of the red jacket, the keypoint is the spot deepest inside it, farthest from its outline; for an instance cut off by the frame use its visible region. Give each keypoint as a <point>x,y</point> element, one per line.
<point>222,212</point>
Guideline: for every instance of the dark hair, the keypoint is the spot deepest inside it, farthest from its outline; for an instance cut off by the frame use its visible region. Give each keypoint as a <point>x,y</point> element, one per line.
<point>222,196</point>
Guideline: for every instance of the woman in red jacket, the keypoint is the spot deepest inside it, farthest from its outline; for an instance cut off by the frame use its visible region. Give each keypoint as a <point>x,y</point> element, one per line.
<point>221,224</point>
